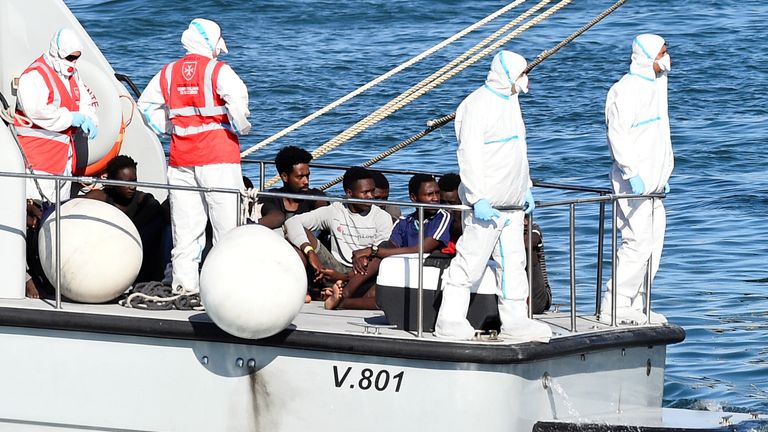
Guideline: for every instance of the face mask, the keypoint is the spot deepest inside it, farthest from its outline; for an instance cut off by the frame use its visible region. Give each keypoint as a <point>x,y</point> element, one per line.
<point>521,85</point>
<point>665,63</point>
<point>68,67</point>
<point>64,67</point>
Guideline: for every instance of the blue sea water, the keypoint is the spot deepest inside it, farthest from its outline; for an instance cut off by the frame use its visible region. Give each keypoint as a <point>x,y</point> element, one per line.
<point>296,56</point>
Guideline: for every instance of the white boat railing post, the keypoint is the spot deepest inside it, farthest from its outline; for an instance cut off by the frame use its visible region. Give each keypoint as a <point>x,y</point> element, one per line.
<point>239,210</point>
<point>572,252</point>
<point>600,246</point>
<point>420,301</point>
<point>649,273</point>
<point>529,265</point>
<point>262,175</point>
<point>614,241</point>
<point>58,243</point>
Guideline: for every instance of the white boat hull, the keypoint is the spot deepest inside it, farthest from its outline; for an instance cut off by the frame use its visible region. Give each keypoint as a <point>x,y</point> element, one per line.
<point>72,379</point>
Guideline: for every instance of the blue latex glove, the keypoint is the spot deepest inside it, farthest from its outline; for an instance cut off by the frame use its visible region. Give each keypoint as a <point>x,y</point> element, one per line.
<point>77,119</point>
<point>529,203</point>
<point>666,188</point>
<point>638,187</point>
<point>484,211</point>
<point>86,124</point>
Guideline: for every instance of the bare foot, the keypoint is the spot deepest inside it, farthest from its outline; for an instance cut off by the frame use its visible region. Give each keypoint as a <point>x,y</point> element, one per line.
<point>325,293</point>
<point>337,294</point>
<point>31,289</point>
<point>307,298</point>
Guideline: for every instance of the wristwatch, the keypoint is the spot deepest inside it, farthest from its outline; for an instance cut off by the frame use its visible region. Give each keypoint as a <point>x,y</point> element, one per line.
<point>374,250</point>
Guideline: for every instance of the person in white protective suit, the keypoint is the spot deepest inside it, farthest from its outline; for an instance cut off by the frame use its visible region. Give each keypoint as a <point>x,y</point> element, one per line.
<point>55,101</point>
<point>203,105</point>
<point>493,165</point>
<point>639,139</point>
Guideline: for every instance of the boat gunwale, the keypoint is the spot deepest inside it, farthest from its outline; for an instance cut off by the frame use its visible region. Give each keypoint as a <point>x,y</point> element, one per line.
<point>199,328</point>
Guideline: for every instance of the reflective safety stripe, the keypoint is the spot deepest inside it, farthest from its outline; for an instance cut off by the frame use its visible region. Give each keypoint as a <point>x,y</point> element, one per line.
<point>43,133</point>
<point>53,87</point>
<point>168,75</point>
<point>208,86</point>
<point>637,41</point>
<point>645,122</point>
<point>497,93</point>
<point>642,76</point>
<point>502,140</point>
<point>204,111</point>
<point>186,131</point>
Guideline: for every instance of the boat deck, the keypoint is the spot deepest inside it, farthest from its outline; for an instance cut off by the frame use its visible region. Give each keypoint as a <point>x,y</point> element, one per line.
<point>341,331</point>
<point>313,317</point>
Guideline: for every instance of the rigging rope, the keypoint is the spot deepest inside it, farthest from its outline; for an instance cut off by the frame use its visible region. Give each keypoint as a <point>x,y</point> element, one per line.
<point>435,124</point>
<point>420,89</point>
<point>383,77</point>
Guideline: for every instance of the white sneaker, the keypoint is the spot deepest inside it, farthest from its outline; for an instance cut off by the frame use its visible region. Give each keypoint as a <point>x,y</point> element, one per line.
<point>526,330</point>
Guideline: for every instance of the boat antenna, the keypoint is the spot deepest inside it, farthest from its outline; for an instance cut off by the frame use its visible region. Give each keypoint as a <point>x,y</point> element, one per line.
<point>434,124</point>
<point>383,77</point>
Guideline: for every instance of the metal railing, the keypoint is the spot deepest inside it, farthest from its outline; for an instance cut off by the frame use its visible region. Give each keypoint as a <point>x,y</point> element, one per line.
<point>604,197</point>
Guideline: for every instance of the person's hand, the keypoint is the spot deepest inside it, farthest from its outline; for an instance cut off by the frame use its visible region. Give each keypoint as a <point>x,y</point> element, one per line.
<point>638,187</point>
<point>530,204</point>
<point>86,124</point>
<point>484,211</point>
<point>330,275</point>
<point>360,260</point>
<point>77,119</point>
<point>314,261</point>
<point>666,188</point>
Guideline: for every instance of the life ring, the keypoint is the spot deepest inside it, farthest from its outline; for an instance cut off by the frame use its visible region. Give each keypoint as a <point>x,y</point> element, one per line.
<point>100,165</point>
<point>112,124</point>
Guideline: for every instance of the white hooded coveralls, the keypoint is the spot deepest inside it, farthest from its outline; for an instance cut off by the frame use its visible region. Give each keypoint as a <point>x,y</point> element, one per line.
<point>493,165</point>
<point>190,210</point>
<point>637,121</point>
<point>32,98</point>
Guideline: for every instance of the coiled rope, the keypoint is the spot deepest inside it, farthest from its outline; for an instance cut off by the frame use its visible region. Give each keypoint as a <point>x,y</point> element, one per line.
<point>433,125</point>
<point>156,296</point>
<point>383,77</point>
<point>420,89</point>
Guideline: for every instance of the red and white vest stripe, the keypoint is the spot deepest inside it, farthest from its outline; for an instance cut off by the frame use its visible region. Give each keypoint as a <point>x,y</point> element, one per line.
<point>202,133</point>
<point>47,150</point>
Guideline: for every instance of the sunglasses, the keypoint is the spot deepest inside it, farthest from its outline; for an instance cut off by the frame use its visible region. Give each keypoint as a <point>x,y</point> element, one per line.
<point>72,57</point>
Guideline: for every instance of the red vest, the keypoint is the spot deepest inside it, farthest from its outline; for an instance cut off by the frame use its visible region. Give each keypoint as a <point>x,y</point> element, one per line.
<point>202,134</point>
<point>48,150</point>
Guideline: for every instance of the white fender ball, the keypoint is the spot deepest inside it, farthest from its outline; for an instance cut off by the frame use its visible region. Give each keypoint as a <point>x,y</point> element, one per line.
<point>101,250</point>
<point>253,282</point>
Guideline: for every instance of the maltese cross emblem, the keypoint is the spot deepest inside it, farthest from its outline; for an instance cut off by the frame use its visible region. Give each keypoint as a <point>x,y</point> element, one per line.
<point>188,70</point>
